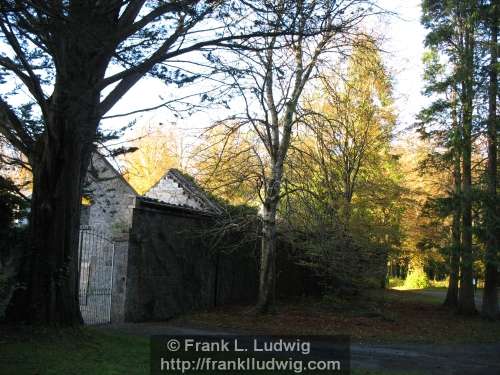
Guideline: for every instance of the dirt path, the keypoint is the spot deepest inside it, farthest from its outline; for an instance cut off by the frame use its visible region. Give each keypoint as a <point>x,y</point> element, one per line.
<point>468,359</point>
<point>441,293</point>
<point>446,359</point>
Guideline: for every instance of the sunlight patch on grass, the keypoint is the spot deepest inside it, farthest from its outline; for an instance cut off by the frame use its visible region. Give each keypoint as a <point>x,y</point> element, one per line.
<point>399,284</point>
<point>395,282</point>
<point>439,283</point>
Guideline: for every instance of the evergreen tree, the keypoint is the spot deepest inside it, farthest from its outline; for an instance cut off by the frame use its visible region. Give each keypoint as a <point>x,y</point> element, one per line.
<point>490,296</point>
<point>452,29</point>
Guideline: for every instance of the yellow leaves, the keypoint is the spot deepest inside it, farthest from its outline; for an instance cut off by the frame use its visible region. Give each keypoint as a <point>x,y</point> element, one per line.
<point>419,189</point>
<point>18,173</point>
<point>86,201</point>
<point>159,150</point>
<point>228,163</point>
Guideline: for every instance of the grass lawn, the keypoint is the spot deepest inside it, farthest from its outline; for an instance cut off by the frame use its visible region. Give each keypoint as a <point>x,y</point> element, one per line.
<point>426,295</point>
<point>388,316</point>
<point>381,316</point>
<point>84,351</point>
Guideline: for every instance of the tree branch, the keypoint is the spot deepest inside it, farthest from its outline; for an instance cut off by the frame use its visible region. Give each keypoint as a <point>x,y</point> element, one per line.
<point>30,80</point>
<point>13,129</point>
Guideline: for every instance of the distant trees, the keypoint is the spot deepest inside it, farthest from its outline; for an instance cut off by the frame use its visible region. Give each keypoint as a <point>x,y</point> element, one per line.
<point>352,120</point>
<point>343,180</point>
<point>12,209</point>
<point>156,149</point>
<point>425,225</point>
<point>227,163</point>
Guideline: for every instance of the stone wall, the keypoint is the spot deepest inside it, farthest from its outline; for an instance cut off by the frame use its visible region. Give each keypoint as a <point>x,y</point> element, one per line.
<point>119,279</point>
<point>237,276</point>
<point>173,268</point>
<point>293,279</point>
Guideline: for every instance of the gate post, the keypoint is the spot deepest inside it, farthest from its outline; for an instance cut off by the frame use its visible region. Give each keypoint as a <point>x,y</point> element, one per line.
<point>119,288</point>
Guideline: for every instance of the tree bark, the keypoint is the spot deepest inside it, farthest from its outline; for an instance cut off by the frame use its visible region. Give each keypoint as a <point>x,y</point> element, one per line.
<point>50,269</point>
<point>466,304</point>
<point>49,273</point>
<point>347,195</point>
<point>490,294</point>
<point>267,280</point>
<point>452,292</point>
<point>267,275</point>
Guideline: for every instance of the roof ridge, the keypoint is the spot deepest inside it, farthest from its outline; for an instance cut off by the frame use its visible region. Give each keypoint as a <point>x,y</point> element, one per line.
<point>184,207</point>
<point>190,184</point>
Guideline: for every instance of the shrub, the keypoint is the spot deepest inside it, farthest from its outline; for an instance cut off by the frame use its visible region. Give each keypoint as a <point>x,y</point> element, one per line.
<point>417,279</point>
<point>395,282</point>
<point>4,294</point>
<point>13,239</point>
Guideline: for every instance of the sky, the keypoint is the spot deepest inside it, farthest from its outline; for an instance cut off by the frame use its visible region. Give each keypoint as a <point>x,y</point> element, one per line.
<point>403,48</point>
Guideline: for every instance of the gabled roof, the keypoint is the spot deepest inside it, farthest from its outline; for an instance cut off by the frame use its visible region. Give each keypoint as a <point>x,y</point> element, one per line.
<point>192,189</point>
<point>112,168</point>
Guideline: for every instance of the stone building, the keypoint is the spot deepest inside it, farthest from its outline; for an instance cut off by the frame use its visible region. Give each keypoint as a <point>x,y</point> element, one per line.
<point>146,257</point>
<point>109,199</point>
<point>166,260</point>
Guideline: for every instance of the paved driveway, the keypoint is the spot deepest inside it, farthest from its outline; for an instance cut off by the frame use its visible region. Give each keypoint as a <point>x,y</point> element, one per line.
<point>460,359</point>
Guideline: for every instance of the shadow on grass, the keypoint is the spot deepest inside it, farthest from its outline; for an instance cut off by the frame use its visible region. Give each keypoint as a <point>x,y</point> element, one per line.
<point>84,351</point>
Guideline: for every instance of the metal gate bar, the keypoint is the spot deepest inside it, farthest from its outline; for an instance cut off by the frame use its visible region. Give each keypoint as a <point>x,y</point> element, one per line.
<point>96,266</point>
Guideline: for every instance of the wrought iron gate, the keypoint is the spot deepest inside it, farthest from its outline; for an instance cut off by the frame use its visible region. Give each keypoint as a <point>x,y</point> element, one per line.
<point>96,254</point>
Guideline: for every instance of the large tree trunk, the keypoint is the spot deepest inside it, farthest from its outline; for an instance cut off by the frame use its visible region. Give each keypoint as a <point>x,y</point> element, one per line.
<point>50,269</point>
<point>59,161</point>
<point>452,292</point>
<point>490,296</point>
<point>49,272</point>
<point>466,293</point>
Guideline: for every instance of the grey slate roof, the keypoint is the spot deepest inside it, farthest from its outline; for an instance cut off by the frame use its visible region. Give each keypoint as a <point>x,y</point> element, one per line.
<point>156,203</point>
